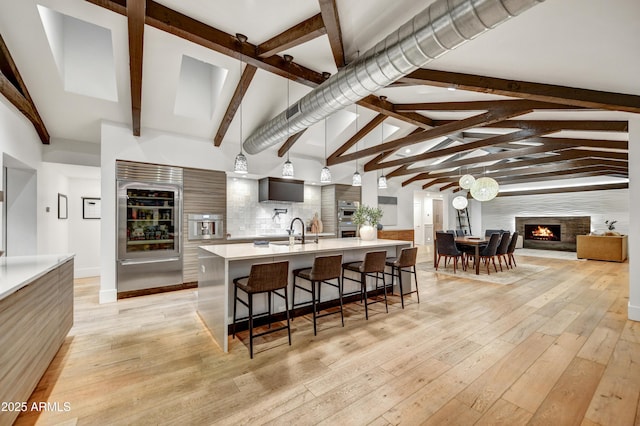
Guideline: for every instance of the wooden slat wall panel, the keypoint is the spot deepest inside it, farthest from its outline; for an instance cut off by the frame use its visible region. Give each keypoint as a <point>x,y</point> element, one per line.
<point>34,322</point>
<point>205,191</point>
<point>331,194</point>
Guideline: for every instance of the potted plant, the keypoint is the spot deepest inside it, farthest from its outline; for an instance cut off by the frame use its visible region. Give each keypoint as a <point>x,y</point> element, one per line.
<point>367,219</point>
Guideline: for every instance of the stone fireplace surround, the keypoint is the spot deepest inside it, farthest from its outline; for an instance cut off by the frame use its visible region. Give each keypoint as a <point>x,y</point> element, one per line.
<point>570,227</point>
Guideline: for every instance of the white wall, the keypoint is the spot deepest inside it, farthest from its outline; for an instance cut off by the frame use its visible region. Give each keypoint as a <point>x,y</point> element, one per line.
<point>634,226</point>
<point>246,216</point>
<point>53,233</point>
<point>404,215</point>
<point>19,141</point>
<point>500,212</point>
<point>83,234</point>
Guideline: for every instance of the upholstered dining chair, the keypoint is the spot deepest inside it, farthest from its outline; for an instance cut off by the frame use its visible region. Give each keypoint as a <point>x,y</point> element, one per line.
<point>446,244</point>
<point>501,252</point>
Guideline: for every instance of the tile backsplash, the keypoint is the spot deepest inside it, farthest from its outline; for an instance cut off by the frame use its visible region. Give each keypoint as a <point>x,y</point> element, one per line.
<point>246,216</point>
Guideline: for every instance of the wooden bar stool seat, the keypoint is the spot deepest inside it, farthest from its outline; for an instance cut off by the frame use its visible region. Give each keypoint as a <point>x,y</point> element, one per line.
<point>324,269</point>
<point>263,278</point>
<point>373,266</point>
<point>405,263</point>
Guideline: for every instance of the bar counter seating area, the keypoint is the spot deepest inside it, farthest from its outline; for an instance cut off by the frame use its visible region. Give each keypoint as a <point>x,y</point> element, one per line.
<point>247,287</point>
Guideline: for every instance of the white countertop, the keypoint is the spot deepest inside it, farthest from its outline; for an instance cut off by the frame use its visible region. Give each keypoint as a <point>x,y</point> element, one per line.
<point>284,236</point>
<point>18,271</point>
<point>251,251</point>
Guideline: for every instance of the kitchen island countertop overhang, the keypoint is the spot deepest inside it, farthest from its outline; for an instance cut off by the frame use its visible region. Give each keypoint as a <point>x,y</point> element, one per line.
<point>220,264</point>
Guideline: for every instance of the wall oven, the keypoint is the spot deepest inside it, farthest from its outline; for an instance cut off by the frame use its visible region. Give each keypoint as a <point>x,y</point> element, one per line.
<point>346,227</point>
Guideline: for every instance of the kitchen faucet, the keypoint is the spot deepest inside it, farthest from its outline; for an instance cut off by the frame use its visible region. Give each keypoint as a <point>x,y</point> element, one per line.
<point>301,223</point>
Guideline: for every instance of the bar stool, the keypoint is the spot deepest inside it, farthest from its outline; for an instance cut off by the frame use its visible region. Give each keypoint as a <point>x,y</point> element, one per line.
<point>324,268</point>
<point>372,266</point>
<point>405,263</point>
<point>263,278</point>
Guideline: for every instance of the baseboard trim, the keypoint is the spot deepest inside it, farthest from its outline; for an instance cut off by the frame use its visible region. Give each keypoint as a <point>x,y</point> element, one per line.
<point>108,296</point>
<point>633,312</point>
<point>155,290</point>
<point>86,272</point>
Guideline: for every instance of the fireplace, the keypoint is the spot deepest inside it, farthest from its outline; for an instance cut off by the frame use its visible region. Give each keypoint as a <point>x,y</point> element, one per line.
<point>552,232</point>
<point>542,232</point>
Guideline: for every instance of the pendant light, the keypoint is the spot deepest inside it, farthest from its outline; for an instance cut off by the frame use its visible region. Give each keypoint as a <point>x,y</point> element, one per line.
<point>356,180</point>
<point>485,189</point>
<point>460,202</point>
<point>287,168</point>
<point>382,180</point>
<point>240,164</point>
<point>325,173</point>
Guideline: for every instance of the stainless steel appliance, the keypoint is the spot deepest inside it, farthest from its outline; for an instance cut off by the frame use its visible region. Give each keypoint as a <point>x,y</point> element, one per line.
<point>204,226</point>
<point>149,226</point>
<point>346,227</point>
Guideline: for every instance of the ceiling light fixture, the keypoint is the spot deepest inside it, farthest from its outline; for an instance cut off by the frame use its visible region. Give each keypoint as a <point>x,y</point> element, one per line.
<point>485,189</point>
<point>382,180</point>
<point>466,181</point>
<point>240,165</point>
<point>287,168</point>
<point>325,173</point>
<point>460,202</point>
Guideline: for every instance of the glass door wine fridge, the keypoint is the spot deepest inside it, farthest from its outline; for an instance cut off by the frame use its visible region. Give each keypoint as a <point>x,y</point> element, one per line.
<point>149,235</point>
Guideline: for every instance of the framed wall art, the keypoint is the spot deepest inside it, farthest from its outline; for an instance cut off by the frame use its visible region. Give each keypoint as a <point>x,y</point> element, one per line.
<point>90,208</point>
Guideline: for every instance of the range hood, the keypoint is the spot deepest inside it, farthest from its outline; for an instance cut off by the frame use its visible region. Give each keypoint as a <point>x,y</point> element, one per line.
<point>277,189</point>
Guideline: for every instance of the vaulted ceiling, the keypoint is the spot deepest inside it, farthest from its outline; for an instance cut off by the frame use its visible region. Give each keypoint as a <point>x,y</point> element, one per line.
<point>541,100</point>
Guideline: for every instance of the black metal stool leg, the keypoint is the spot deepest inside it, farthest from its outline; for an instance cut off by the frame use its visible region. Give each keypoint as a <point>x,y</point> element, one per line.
<point>235,304</point>
<point>251,325</point>
<point>363,284</point>
<point>400,285</point>
<point>415,276</point>
<point>286,306</point>
<point>313,302</point>
<point>293,296</point>
<point>384,287</point>
<point>340,296</point>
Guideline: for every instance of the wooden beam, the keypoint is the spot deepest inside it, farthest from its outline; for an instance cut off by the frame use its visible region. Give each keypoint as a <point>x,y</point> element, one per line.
<point>234,104</point>
<point>286,146</point>
<point>444,130</point>
<point>470,146</point>
<point>476,106</point>
<point>466,161</point>
<point>180,25</point>
<point>298,34</point>
<point>449,186</point>
<point>566,189</point>
<point>331,19</point>
<point>528,90</point>
<point>542,177</point>
<point>135,24</point>
<point>382,106</point>
<point>15,90</point>
<point>588,125</point>
<point>377,120</point>
<point>378,158</point>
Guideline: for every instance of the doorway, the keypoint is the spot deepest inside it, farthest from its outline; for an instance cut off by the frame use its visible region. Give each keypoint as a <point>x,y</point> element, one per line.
<point>20,211</point>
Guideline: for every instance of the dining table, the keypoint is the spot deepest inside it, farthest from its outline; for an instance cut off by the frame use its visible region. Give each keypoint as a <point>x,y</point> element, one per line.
<point>477,243</point>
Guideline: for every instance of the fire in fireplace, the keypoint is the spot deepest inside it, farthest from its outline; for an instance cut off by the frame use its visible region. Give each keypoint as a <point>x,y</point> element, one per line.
<point>542,232</point>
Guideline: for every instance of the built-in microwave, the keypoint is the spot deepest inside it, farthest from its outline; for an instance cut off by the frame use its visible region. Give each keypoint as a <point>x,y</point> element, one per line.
<point>205,226</point>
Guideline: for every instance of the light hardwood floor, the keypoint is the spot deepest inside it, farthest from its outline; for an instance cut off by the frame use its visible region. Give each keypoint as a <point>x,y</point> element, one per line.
<point>552,349</point>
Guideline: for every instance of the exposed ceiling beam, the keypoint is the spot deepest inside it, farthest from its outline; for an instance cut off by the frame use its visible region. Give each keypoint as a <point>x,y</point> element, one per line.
<point>470,146</point>
<point>594,143</point>
<point>448,186</point>
<point>135,24</point>
<point>15,90</point>
<point>528,90</point>
<point>329,12</point>
<point>559,175</point>
<point>382,106</point>
<point>286,146</point>
<point>234,104</point>
<point>577,166</point>
<point>581,188</point>
<point>590,125</point>
<point>170,21</point>
<point>564,154</point>
<point>474,160</point>
<point>475,106</point>
<point>298,34</point>
<point>375,122</point>
<point>439,131</point>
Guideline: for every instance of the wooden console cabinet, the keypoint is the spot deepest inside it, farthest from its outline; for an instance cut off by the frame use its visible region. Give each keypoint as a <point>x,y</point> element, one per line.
<point>397,234</point>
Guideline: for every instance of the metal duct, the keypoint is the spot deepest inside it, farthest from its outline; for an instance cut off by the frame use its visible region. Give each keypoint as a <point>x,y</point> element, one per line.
<point>441,27</point>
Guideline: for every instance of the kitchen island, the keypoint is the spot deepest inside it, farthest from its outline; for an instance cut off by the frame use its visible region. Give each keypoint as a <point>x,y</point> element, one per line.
<point>220,264</point>
<point>36,313</point>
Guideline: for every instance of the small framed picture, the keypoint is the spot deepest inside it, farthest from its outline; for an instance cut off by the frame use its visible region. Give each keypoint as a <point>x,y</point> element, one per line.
<point>90,208</point>
<point>63,208</point>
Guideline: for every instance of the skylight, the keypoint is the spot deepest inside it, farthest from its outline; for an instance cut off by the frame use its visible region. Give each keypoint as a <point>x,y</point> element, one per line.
<point>83,53</point>
<point>198,89</point>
